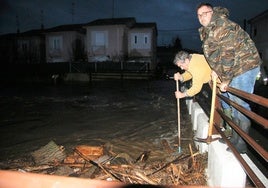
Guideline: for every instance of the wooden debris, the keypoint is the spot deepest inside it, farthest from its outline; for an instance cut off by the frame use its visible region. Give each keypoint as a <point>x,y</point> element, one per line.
<point>50,153</point>
<point>103,159</point>
<point>64,171</point>
<point>180,157</point>
<point>77,165</point>
<point>91,162</point>
<point>145,178</point>
<point>97,164</point>
<point>192,155</point>
<point>74,159</point>
<point>38,168</point>
<point>90,152</point>
<point>143,157</point>
<point>121,159</point>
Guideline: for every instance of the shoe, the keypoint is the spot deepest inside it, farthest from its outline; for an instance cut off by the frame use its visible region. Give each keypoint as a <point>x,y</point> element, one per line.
<point>228,131</point>
<point>221,140</point>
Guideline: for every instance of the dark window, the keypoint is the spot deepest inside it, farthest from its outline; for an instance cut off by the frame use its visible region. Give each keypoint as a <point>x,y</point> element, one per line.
<point>255,32</point>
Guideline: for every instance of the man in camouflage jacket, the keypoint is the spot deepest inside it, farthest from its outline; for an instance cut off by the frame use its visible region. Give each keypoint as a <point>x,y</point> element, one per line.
<point>233,57</point>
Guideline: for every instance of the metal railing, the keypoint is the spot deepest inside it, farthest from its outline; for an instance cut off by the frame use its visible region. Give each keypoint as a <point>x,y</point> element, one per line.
<point>261,121</point>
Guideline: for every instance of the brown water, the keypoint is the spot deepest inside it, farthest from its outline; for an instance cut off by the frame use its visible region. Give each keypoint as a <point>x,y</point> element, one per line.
<point>129,116</point>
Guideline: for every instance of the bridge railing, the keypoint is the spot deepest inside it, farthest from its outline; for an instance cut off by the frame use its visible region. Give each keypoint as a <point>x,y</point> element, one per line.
<point>259,120</point>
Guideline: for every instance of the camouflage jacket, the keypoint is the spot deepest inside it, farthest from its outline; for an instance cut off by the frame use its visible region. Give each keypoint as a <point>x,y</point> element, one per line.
<point>227,47</point>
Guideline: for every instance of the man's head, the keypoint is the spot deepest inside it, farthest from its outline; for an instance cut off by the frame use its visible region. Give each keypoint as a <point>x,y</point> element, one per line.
<point>182,60</point>
<point>204,13</point>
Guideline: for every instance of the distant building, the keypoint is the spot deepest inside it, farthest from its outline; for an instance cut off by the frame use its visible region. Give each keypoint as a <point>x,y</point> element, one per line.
<point>22,48</point>
<point>108,38</point>
<point>121,39</point>
<point>142,43</point>
<point>65,43</point>
<point>31,47</point>
<point>8,48</point>
<point>258,32</point>
<point>128,44</point>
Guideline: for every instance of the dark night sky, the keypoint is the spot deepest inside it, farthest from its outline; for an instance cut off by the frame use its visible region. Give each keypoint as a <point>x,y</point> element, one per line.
<point>173,17</point>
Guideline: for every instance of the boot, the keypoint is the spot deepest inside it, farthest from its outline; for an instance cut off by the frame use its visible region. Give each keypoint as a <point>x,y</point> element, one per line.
<point>228,113</point>
<point>234,136</point>
<point>228,129</point>
<point>241,145</point>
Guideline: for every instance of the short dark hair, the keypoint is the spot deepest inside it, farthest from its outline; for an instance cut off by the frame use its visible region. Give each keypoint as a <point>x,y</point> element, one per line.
<point>181,56</point>
<point>203,4</point>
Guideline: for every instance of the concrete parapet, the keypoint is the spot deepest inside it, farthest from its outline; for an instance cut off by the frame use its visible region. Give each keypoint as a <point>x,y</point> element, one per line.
<point>189,103</point>
<point>255,169</point>
<point>224,170</point>
<point>195,111</point>
<point>202,132</point>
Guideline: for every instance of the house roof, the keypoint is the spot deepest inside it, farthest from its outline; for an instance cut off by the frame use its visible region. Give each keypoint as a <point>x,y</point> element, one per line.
<point>129,21</point>
<point>150,25</point>
<point>33,32</point>
<point>145,25</point>
<point>8,35</point>
<point>30,33</point>
<point>259,16</point>
<point>68,27</point>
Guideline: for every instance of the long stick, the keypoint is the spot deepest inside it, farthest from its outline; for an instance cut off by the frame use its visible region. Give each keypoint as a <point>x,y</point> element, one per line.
<point>212,110</point>
<point>179,121</point>
<point>209,138</point>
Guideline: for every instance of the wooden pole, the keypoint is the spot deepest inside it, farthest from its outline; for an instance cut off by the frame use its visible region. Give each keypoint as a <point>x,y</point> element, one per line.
<point>212,110</point>
<point>179,121</point>
<point>209,138</point>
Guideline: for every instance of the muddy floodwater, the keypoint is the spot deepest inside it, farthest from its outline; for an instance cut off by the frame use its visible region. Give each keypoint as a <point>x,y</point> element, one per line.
<point>129,116</point>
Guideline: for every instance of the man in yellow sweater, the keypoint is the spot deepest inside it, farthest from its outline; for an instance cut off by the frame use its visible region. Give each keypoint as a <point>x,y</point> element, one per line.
<point>196,68</point>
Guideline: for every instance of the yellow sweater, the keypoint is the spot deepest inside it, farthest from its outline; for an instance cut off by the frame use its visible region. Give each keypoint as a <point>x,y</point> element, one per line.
<point>200,73</point>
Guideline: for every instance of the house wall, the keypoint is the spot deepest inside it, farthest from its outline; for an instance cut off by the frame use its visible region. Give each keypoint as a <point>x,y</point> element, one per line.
<point>259,35</point>
<point>65,51</point>
<point>113,45</point>
<point>77,47</point>
<point>136,43</point>
<point>31,50</point>
<point>140,49</point>
<point>8,49</point>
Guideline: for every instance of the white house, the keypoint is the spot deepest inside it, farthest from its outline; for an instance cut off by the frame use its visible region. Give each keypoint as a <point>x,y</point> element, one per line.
<point>142,43</point>
<point>65,43</point>
<point>121,39</point>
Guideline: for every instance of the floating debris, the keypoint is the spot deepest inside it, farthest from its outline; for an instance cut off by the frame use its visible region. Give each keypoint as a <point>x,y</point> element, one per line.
<point>96,162</point>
